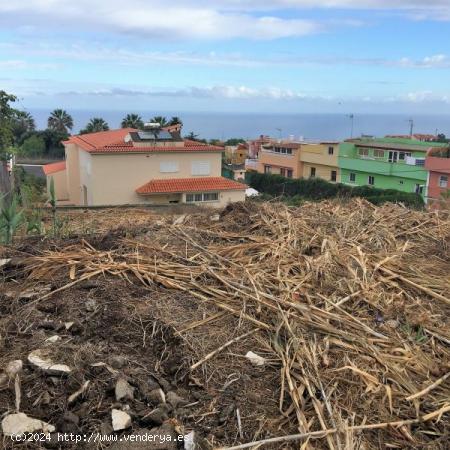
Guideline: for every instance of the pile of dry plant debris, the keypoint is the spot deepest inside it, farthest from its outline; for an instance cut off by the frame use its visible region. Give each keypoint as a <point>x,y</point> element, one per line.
<point>319,327</point>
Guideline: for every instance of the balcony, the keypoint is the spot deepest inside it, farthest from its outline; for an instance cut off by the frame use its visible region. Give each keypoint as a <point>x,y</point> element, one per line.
<point>251,164</point>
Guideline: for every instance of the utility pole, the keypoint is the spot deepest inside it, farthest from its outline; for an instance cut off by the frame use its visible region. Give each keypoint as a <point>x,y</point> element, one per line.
<point>351,117</point>
<point>411,127</point>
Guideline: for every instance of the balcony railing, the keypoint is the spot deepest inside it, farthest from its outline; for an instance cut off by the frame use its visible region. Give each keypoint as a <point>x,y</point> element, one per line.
<point>251,164</point>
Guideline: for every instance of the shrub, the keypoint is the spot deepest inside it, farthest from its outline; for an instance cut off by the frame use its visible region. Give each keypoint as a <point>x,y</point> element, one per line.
<point>297,190</point>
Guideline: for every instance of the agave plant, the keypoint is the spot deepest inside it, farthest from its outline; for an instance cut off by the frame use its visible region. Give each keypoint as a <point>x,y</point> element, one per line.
<point>10,218</point>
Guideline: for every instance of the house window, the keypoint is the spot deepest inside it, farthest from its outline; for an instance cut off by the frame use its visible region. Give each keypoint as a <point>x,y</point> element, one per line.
<point>283,151</point>
<point>200,168</point>
<point>313,172</point>
<point>378,153</point>
<point>402,155</point>
<point>331,150</point>
<point>283,172</point>
<point>333,175</point>
<point>267,169</point>
<point>418,189</point>
<point>443,181</point>
<point>371,180</point>
<point>352,177</point>
<point>207,197</point>
<point>363,152</point>
<point>210,197</point>
<point>401,181</point>
<point>393,157</point>
<point>289,173</point>
<point>289,151</point>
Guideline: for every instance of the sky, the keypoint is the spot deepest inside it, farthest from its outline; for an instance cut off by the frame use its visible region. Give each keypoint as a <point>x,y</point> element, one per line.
<point>290,56</point>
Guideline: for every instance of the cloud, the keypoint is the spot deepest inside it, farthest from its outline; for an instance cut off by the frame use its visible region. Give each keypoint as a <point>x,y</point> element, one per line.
<point>20,64</point>
<point>169,21</point>
<point>201,19</point>
<point>219,91</point>
<point>98,53</point>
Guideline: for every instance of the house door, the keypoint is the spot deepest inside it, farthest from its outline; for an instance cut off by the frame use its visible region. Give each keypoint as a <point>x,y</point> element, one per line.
<point>393,157</point>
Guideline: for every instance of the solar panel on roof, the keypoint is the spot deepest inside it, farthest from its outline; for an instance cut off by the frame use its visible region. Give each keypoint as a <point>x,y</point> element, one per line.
<point>148,135</point>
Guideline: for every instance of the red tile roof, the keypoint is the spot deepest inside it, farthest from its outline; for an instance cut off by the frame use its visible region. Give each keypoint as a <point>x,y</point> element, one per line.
<point>92,141</point>
<point>129,148</point>
<point>54,167</point>
<point>178,185</point>
<point>113,141</point>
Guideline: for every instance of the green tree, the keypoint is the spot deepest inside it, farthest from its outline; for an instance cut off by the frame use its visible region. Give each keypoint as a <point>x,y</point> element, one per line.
<point>133,121</point>
<point>175,121</point>
<point>161,120</point>
<point>7,114</point>
<point>34,146</point>
<point>234,141</point>
<point>192,136</point>
<point>95,125</point>
<point>22,122</point>
<point>60,121</point>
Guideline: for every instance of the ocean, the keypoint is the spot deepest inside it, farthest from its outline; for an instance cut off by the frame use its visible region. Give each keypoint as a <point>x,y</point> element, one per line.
<point>307,126</point>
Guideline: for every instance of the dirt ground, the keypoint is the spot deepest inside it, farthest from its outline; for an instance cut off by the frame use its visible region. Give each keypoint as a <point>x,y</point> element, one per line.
<point>147,300</point>
<point>113,318</point>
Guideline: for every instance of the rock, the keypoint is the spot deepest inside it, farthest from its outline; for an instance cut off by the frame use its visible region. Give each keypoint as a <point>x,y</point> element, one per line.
<point>53,339</point>
<point>20,423</point>
<point>14,368</point>
<point>255,359</point>
<point>90,305</point>
<point>155,417</point>
<point>120,420</point>
<point>180,219</point>
<point>4,262</point>
<point>175,400</point>
<point>123,390</point>
<point>40,358</point>
<point>214,218</point>
<point>117,362</point>
<point>156,396</point>
<point>189,441</point>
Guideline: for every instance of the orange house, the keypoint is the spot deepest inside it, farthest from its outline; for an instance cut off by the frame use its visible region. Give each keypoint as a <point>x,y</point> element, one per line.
<point>281,158</point>
<point>437,163</point>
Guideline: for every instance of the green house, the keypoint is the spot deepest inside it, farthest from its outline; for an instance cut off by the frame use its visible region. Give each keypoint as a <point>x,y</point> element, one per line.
<point>385,163</point>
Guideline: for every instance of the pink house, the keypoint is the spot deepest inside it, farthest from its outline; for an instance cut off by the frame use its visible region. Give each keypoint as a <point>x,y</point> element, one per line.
<point>437,163</point>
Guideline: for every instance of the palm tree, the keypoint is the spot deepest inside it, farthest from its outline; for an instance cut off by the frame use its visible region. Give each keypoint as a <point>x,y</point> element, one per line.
<point>95,124</point>
<point>161,120</point>
<point>175,120</point>
<point>60,120</point>
<point>23,122</point>
<point>192,136</point>
<point>132,121</point>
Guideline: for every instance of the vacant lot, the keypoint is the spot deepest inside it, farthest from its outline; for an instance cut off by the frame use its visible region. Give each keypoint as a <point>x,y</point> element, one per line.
<point>346,307</point>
